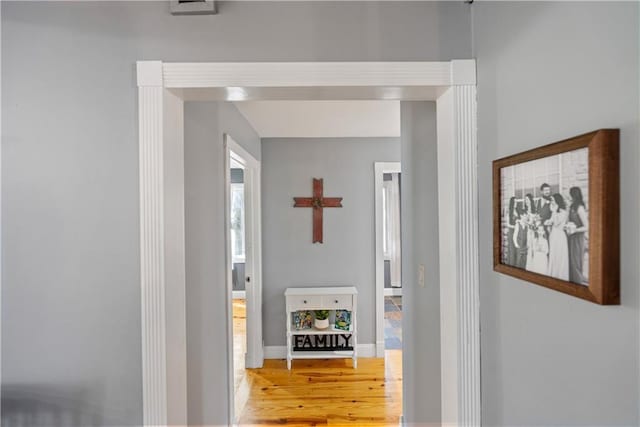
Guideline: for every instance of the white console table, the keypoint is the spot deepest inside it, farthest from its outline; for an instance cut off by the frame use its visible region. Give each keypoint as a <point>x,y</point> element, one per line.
<point>330,298</point>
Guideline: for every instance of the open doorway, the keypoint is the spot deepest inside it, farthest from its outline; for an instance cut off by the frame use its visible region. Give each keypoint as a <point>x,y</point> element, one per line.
<point>337,141</point>
<point>388,184</point>
<point>451,83</point>
<point>391,251</point>
<point>244,272</point>
<point>238,278</point>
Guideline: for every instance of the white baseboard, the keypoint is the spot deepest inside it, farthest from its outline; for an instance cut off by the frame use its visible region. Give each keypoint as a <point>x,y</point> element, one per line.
<point>366,350</point>
<point>239,294</point>
<point>280,351</point>
<point>275,351</point>
<point>392,292</point>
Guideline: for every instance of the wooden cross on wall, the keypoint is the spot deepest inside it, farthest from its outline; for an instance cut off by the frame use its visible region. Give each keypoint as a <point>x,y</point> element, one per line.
<point>317,202</point>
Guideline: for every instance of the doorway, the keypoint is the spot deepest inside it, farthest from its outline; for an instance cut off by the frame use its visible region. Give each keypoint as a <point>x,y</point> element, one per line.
<point>162,90</point>
<point>244,268</point>
<point>387,184</point>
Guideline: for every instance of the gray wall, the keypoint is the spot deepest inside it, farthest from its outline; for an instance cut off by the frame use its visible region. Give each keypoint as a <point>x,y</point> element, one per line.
<point>548,71</point>
<point>205,125</point>
<point>70,231</point>
<point>70,260</point>
<point>421,305</point>
<point>347,256</point>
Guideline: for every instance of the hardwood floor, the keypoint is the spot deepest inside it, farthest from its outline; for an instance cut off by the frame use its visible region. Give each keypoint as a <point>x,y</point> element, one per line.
<point>325,392</point>
<point>320,392</point>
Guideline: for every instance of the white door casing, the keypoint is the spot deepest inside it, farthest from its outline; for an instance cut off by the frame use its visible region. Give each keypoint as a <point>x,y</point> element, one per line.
<point>253,261</point>
<point>162,230</point>
<point>162,250</point>
<point>459,304</point>
<point>379,169</point>
<point>253,249</point>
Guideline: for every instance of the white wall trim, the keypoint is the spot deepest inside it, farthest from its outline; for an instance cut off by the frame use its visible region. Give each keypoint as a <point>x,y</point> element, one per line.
<point>154,349</point>
<point>463,72</point>
<point>457,74</point>
<point>174,259</point>
<point>380,168</point>
<point>459,273</point>
<point>239,294</point>
<point>162,263</point>
<point>467,256</point>
<point>149,73</point>
<point>305,74</point>
<point>280,351</point>
<point>447,262</point>
<point>253,250</point>
<point>254,356</point>
<point>393,292</point>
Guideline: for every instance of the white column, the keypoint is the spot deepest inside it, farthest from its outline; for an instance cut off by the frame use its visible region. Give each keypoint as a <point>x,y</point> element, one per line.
<point>468,319</point>
<point>459,273</point>
<point>162,265</point>
<point>152,279</point>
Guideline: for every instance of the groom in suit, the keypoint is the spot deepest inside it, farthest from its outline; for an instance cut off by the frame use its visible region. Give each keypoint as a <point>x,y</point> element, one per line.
<point>544,205</point>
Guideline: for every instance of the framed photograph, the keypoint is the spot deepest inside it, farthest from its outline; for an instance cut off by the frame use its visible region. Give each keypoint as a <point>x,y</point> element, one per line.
<point>302,320</point>
<point>343,320</point>
<point>556,217</point>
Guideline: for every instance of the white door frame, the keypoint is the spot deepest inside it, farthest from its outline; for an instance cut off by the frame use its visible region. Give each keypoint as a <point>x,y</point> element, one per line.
<point>161,91</point>
<point>253,249</point>
<point>380,168</point>
<point>254,357</point>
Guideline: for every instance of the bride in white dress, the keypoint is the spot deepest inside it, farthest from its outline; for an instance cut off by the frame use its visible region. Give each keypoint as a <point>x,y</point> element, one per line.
<point>540,250</point>
<point>558,244</point>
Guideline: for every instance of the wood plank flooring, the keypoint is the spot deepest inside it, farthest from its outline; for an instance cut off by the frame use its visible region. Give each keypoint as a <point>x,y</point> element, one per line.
<point>325,392</point>
<point>320,392</point>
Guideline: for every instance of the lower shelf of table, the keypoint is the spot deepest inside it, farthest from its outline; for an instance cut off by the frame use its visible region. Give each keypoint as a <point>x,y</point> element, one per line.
<point>334,354</point>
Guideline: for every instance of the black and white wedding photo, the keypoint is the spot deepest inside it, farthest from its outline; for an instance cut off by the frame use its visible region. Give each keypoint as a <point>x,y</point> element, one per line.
<point>545,216</point>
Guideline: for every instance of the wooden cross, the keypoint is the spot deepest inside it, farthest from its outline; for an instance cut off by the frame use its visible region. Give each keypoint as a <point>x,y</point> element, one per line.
<point>317,202</point>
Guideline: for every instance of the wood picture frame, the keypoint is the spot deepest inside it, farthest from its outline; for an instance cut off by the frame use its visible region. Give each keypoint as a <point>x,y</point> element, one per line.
<point>521,230</point>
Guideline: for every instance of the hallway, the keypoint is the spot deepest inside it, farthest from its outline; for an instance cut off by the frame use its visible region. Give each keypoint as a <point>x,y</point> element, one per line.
<point>316,392</point>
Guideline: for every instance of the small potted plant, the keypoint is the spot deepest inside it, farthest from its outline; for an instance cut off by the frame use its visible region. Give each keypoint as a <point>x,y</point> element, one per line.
<point>322,319</point>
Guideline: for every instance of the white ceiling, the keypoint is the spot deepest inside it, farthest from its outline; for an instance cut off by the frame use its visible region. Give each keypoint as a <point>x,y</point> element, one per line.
<point>322,119</point>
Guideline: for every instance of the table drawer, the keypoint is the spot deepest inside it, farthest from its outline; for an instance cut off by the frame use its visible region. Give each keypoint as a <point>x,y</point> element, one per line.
<point>332,302</point>
<point>311,302</point>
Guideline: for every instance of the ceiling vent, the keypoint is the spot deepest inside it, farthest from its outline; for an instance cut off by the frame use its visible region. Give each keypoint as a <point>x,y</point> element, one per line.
<point>193,7</point>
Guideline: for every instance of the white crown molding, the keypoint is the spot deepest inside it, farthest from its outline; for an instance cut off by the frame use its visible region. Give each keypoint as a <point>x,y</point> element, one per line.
<point>306,74</point>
